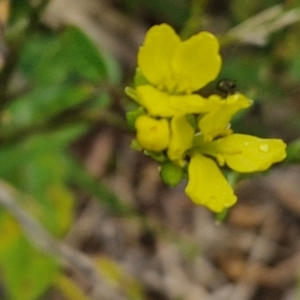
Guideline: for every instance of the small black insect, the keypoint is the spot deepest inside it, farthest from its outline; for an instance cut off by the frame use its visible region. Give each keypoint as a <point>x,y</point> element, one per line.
<point>226,87</point>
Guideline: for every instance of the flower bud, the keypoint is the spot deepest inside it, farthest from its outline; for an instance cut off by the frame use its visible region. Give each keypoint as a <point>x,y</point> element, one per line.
<point>171,174</point>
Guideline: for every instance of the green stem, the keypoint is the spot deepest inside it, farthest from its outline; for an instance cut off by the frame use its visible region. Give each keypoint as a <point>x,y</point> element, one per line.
<point>195,20</point>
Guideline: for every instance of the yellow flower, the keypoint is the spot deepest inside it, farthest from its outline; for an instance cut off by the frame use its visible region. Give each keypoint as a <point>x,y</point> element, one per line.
<point>178,66</point>
<point>164,105</point>
<point>187,128</point>
<point>173,69</point>
<point>242,153</point>
<point>207,186</point>
<point>152,134</point>
<point>181,139</point>
<point>216,121</point>
<point>245,153</point>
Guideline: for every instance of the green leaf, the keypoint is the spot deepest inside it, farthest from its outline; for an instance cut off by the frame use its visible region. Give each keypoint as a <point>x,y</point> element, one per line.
<point>66,59</point>
<point>81,53</point>
<point>41,105</point>
<point>19,11</point>
<point>18,153</point>
<point>42,61</point>
<point>26,272</point>
<point>39,167</point>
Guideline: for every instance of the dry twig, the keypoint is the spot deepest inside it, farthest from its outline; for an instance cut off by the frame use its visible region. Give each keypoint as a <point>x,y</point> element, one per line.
<point>46,243</point>
<point>257,29</point>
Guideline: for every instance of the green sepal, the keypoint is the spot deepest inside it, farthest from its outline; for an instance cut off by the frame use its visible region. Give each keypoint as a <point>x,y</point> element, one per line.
<point>131,117</point>
<point>157,156</point>
<point>134,145</point>
<point>192,120</point>
<point>139,78</point>
<point>130,92</point>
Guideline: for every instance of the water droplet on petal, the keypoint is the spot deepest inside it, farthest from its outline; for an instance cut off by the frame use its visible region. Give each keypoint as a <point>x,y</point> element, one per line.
<point>264,148</point>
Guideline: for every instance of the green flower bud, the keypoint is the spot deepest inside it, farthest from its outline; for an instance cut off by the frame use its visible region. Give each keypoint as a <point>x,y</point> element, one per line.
<point>171,174</point>
<point>293,152</point>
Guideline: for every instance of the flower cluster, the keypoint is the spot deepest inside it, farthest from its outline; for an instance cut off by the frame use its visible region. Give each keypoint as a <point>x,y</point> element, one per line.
<point>185,131</point>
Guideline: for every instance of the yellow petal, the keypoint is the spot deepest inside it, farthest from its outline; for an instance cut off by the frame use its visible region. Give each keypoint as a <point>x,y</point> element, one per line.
<point>207,186</point>
<point>217,120</point>
<point>245,153</point>
<point>152,134</point>
<point>196,62</point>
<point>162,104</point>
<point>155,55</point>
<point>181,140</point>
